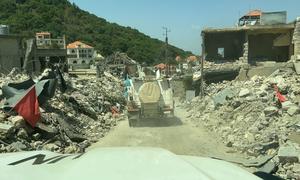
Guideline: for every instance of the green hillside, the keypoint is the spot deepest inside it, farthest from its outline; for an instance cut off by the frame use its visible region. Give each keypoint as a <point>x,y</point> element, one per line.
<point>60,17</point>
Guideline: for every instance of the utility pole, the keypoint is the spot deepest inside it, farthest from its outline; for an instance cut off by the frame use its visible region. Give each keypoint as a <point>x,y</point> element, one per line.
<point>166,31</point>
<point>202,65</point>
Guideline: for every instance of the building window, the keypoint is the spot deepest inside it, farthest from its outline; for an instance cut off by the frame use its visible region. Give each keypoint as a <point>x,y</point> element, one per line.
<point>221,52</point>
<point>73,51</point>
<point>83,62</point>
<point>74,62</point>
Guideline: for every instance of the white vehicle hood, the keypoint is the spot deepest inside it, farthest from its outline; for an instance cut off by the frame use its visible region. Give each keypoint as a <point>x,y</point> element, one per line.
<point>116,164</point>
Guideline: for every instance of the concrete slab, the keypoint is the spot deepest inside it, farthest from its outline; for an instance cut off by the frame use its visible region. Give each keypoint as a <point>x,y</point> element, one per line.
<point>288,154</point>
<point>297,67</point>
<point>189,95</point>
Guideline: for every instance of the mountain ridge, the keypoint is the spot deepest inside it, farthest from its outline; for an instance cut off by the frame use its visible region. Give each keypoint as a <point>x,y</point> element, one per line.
<point>60,17</point>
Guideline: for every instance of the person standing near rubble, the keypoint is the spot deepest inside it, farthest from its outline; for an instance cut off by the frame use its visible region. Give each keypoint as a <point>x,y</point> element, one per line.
<point>126,72</point>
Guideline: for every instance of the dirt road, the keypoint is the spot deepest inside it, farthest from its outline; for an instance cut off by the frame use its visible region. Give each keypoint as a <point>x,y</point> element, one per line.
<point>177,135</point>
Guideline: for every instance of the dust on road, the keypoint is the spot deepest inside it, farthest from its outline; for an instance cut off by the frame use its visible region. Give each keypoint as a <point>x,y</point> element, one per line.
<point>177,135</point>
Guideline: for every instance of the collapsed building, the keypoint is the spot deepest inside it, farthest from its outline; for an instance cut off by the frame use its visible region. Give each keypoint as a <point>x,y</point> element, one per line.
<point>44,51</point>
<point>11,50</point>
<point>117,62</point>
<point>30,54</point>
<point>260,43</point>
<point>272,39</point>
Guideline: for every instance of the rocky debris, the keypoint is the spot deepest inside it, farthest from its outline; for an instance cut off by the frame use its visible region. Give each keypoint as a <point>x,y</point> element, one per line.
<point>119,58</point>
<point>6,130</point>
<point>116,63</point>
<point>288,154</point>
<point>249,117</point>
<point>244,92</point>
<point>270,110</point>
<point>70,121</point>
<point>293,110</point>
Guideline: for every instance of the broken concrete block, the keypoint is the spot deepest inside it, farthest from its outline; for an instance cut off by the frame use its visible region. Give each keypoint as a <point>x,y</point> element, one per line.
<point>293,110</point>
<point>222,96</point>
<point>296,168</point>
<point>2,116</point>
<point>244,92</point>
<point>287,104</point>
<point>36,136</point>
<point>17,121</point>
<point>294,137</point>
<point>270,145</point>
<point>261,93</point>
<point>46,130</point>
<point>6,130</point>
<point>269,167</point>
<point>51,147</point>
<point>271,110</point>
<point>71,149</point>
<point>249,137</point>
<point>297,67</point>
<point>280,82</point>
<point>22,133</point>
<point>18,146</point>
<point>288,154</point>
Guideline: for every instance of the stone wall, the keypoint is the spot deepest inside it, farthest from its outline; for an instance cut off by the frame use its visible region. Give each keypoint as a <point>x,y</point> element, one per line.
<point>10,53</point>
<point>296,40</point>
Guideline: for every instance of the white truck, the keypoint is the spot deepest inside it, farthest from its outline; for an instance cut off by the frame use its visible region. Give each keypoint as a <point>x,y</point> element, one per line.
<point>149,99</point>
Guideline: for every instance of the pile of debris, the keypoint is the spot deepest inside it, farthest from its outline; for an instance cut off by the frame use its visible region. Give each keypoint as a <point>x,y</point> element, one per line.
<point>70,121</point>
<point>118,62</point>
<point>223,65</point>
<point>258,117</point>
<point>119,58</point>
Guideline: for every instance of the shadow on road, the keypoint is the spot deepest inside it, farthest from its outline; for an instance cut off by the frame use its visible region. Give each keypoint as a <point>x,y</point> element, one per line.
<point>163,122</point>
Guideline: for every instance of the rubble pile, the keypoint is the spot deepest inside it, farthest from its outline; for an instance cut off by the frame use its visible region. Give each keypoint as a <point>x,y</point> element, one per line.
<point>70,121</point>
<point>250,118</point>
<point>224,65</point>
<point>116,62</point>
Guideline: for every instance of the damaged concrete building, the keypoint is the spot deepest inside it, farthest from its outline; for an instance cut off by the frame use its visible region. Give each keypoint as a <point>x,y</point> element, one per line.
<point>30,54</point>
<point>44,51</point>
<point>11,52</point>
<point>265,37</point>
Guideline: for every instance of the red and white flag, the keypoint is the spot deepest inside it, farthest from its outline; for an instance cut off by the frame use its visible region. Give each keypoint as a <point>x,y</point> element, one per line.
<point>28,107</point>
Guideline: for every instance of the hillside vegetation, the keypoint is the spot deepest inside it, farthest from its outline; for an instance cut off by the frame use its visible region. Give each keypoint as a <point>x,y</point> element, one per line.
<point>60,17</point>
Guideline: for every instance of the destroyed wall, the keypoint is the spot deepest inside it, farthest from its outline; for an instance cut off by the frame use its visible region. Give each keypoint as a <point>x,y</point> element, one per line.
<point>232,42</point>
<point>262,48</point>
<point>10,53</point>
<point>251,44</point>
<point>296,39</point>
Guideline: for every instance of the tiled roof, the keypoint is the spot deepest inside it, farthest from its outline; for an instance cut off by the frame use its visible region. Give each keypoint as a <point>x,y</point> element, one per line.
<point>254,13</point>
<point>192,59</point>
<point>43,33</point>
<point>78,44</point>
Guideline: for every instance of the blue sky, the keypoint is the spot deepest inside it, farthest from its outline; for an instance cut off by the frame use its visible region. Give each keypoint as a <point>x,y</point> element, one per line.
<point>185,18</point>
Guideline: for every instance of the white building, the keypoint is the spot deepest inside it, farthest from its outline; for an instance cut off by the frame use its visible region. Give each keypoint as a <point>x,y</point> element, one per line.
<point>80,55</point>
<point>45,41</point>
